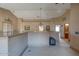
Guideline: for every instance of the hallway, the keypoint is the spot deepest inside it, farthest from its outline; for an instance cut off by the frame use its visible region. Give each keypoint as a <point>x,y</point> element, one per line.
<point>59,50</point>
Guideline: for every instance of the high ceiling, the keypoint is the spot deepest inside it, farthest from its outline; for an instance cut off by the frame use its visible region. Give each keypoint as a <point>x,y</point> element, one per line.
<point>31,11</point>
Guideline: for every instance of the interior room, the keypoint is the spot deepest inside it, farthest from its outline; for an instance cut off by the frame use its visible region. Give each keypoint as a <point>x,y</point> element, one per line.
<point>39,29</point>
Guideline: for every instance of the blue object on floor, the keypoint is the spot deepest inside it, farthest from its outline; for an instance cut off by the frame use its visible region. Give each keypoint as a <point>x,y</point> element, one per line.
<point>52,41</point>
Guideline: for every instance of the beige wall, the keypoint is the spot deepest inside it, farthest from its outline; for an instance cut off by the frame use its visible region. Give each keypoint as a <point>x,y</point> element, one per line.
<point>4,13</point>
<point>34,26</point>
<point>74,19</point>
<point>74,26</point>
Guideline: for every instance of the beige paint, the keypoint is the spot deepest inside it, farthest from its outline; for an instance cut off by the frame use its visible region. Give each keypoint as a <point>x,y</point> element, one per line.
<point>35,25</point>
<point>74,26</point>
<point>4,13</point>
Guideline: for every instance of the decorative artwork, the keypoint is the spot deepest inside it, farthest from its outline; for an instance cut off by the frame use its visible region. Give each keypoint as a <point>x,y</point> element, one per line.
<point>27,27</point>
<point>47,27</point>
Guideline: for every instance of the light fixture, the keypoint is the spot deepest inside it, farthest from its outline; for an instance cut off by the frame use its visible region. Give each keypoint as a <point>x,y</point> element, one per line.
<point>66,24</point>
<point>41,28</point>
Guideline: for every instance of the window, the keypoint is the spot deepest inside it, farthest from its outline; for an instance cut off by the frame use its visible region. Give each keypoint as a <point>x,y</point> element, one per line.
<point>7,29</point>
<point>57,28</point>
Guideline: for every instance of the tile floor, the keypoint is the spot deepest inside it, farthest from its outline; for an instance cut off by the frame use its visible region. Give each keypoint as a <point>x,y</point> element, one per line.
<point>63,49</point>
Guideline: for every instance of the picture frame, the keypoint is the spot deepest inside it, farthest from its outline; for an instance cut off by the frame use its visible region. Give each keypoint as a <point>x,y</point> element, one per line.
<point>47,27</point>
<point>27,27</point>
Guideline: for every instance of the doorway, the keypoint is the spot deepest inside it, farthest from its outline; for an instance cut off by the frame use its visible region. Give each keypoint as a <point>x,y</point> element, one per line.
<point>66,31</point>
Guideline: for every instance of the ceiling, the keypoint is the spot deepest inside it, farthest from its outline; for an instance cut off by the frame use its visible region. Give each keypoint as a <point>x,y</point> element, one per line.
<point>30,11</point>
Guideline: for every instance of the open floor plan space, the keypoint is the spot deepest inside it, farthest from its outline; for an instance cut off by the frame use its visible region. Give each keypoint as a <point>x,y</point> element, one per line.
<point>39,29</point>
